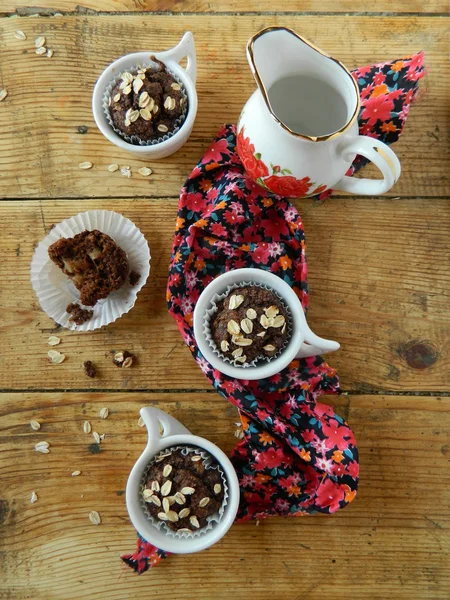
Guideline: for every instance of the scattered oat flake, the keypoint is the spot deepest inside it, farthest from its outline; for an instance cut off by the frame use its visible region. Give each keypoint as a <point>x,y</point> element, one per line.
<point>87,427</point>
<point>76,473</point>
<point>113,168</point>
<point>96,437</point>
<point>127,362</point>
<point>35,425</point>
<point>39,41</point>
<point>19,35</point>
<point>85,165</point>
<point>53,340</point>
<point>145,171</point>
<point>125,171</point>
<point>56,358</point>
<point>3,94</point>
<point>49,53</point>
<point>104,413</point>
<point>33,498</point>
<point>94,517</point>
<point>41,51</point>
<point>141,422</point>
<point>42,447</point>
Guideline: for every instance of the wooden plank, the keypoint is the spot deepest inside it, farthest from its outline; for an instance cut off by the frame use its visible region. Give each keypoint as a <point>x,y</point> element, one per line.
<point>49,7</point>
<point>392,542</point>
<point>41,147</point>
<point>379,283</point>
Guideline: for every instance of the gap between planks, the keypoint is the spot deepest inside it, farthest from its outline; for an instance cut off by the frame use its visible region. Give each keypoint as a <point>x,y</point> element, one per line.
<point>82,11</point>
<point>346,393</point>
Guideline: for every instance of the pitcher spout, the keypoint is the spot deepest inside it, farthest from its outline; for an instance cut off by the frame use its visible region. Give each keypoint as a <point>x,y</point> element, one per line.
<point>284,65</point>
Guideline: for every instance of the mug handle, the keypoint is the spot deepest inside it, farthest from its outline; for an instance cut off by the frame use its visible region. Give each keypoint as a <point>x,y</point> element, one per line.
<point>186,47</point>
<point>156,420</point>
<point>378,153</point>
<point>313,345</point>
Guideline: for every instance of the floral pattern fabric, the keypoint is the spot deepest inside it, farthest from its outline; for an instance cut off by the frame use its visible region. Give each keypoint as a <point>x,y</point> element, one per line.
<point>297,456</point>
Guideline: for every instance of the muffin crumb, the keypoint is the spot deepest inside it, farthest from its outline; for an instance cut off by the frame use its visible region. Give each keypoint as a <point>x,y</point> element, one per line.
<point>134,278</point>
<point>79,315</point>
<point>89,368</point>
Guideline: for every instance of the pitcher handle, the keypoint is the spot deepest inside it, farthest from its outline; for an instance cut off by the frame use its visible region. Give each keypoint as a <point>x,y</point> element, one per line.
<point>186,47</point>
<point>381,156</point>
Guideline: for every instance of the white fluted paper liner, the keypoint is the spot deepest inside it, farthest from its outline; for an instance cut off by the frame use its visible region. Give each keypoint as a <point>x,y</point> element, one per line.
<point>55,291</point>
<point>134,139</point>
<point>211,311</point>
<point>213,519</point>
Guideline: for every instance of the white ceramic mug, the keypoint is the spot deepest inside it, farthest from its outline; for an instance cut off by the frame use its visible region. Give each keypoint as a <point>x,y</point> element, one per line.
<point>302,342</point>
<point>187,76</point>
<point>164,431</point>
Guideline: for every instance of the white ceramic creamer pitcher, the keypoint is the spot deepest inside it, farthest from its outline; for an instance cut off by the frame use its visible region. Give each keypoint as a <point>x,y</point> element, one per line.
<point>298,133</point>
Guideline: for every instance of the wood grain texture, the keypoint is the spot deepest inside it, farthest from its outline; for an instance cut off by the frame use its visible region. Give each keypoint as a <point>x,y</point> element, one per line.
<point>392,542</point>
<point>49,99</point>
<point>49,7</point>
<point>379,279</point>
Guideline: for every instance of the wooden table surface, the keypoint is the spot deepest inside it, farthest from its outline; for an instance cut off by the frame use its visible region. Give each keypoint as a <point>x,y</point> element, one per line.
<point>380,284</point>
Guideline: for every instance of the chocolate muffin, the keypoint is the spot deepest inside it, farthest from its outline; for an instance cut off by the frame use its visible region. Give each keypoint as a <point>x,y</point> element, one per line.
<point>93,261</point>
<point>250,323</point>
<point>147,103</point>
<point>182,492</point>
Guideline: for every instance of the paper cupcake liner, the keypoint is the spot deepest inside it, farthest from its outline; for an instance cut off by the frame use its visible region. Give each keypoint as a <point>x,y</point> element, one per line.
<point>55,291</point>
<point>211,311</point>
<point>134,139</point>
<point>212,520</point>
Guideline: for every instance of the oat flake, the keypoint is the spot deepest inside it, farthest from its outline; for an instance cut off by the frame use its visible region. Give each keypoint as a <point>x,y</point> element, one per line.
<point>94,517</point>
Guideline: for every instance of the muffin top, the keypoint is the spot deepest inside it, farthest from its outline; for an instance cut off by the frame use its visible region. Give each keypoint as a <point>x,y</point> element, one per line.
<point>93,261</point>
<point>148,103</point>
<point>250,323</point>
<point>182,492</point>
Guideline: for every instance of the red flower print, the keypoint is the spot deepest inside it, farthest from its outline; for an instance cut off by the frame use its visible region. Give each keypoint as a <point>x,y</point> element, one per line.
<point>338,469</point>
<point>337,435</point>
<point>377,109</point>
<point>274,226</point>
<point>195,202</point>
<point>362,72</point>
<point>365,93</point>
<point>416,62</point>
<point>261,254</point>
<point>288,185</point>
<point>329,494</point>
<point>215,151</point>
<point>218,229</point>
<point>353,469</point>
<point>269,459</point>
<point>233,218</point>
<point>253,166</point>
<point>379,78</point>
